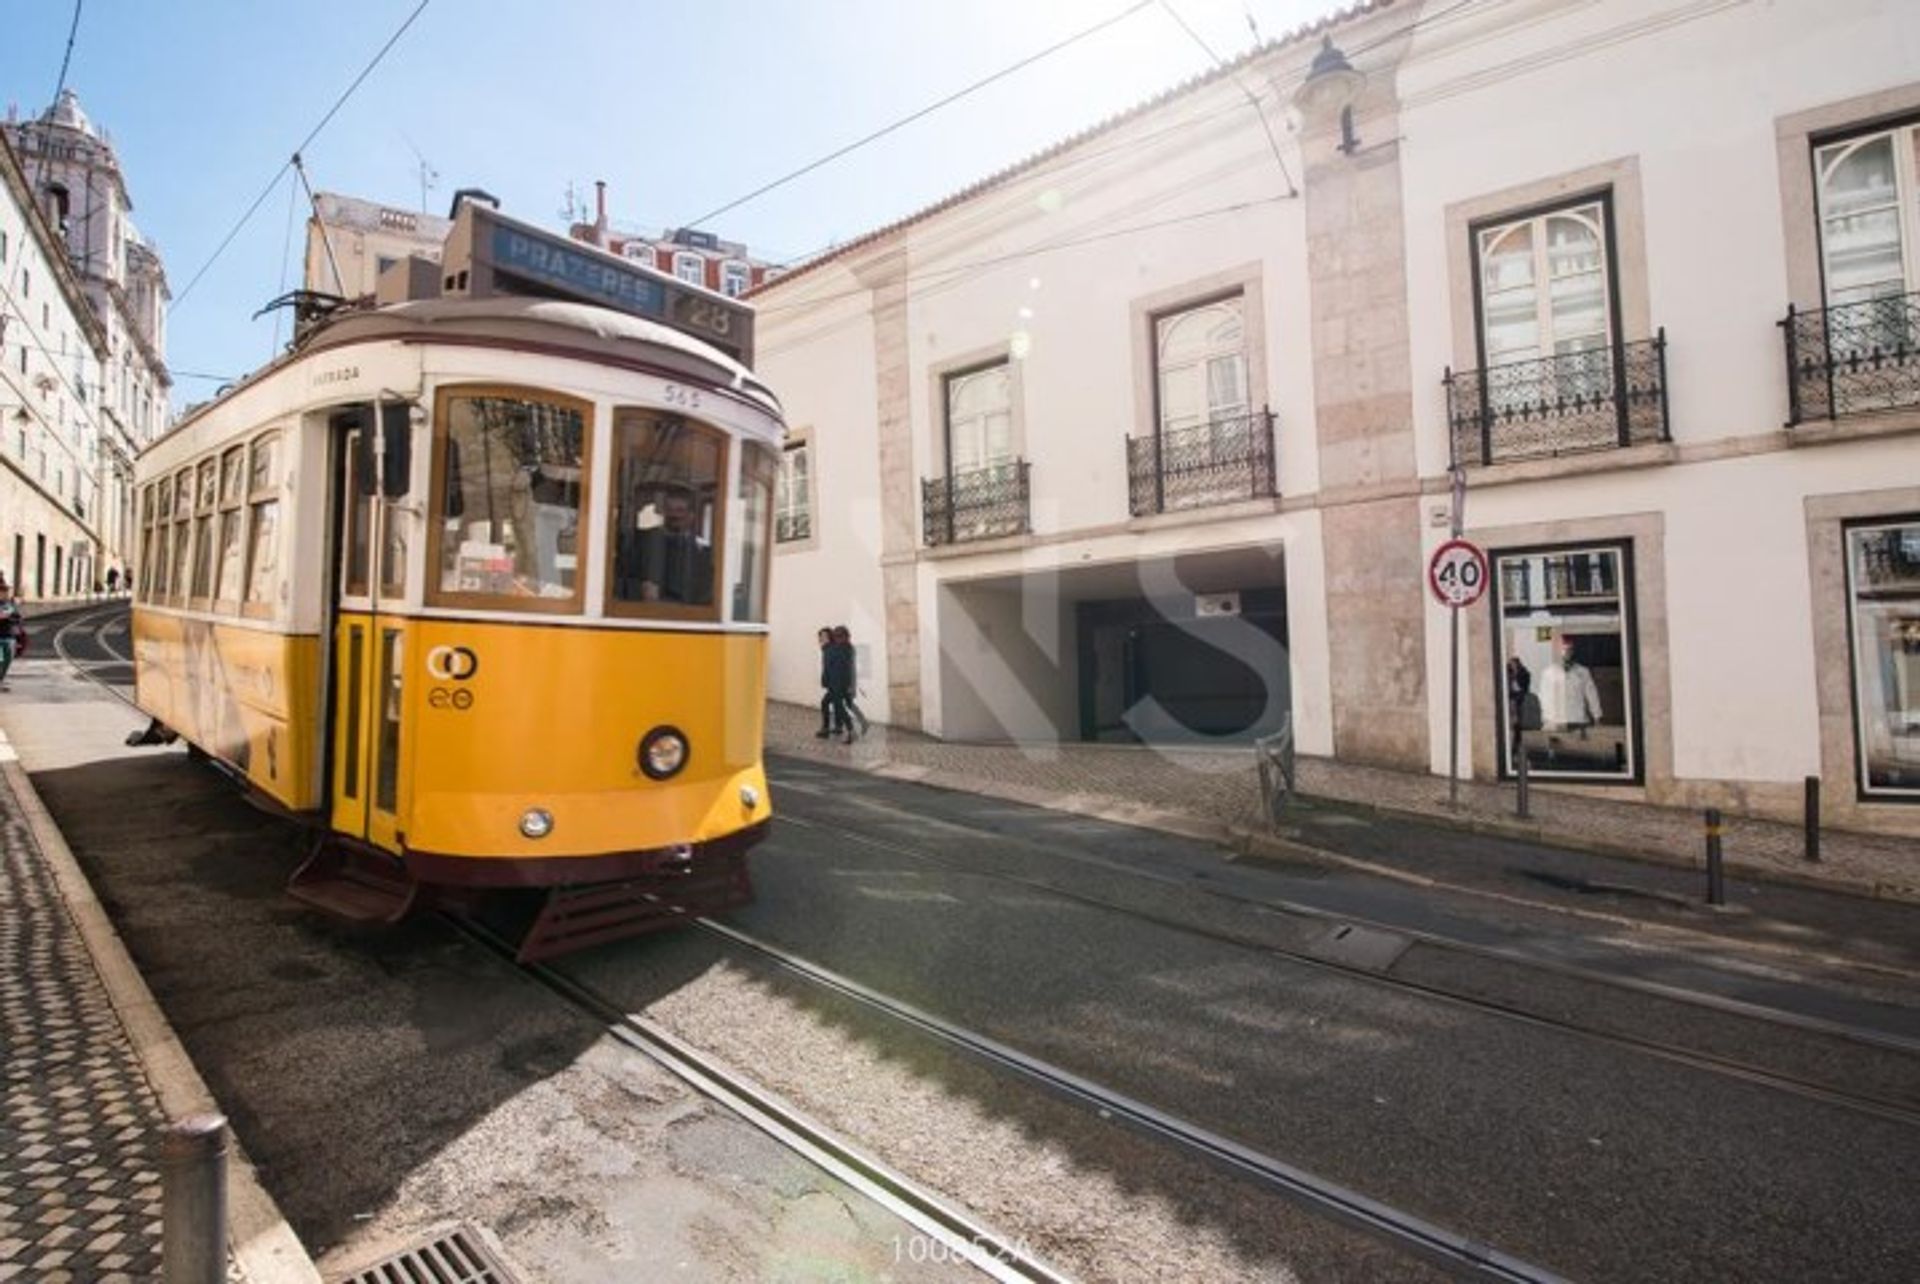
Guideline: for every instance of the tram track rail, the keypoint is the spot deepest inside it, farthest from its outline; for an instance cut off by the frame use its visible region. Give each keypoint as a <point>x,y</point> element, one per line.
<point>1807,1089</point>
<point>1001,1256</point>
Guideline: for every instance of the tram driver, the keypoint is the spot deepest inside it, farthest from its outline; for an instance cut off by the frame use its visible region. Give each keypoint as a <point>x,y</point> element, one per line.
<point>669,559</point>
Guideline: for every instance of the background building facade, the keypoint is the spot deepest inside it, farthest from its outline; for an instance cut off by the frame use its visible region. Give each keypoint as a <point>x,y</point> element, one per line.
<point>95,378</point>
<point>696,257</point>
<point>351,241</point>
<point>1150,437</point>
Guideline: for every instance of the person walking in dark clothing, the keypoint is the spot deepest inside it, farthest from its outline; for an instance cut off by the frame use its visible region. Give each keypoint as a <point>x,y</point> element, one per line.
<point>856,721</point>
<point>837,673</point>
<point>825,639</point>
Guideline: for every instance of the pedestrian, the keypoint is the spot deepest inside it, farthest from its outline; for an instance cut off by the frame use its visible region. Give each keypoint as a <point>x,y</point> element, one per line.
<point>838,675</point>
<point>825,639</point>
<point>859,719</point>
<point>13,632</point>
<point>113,580</point>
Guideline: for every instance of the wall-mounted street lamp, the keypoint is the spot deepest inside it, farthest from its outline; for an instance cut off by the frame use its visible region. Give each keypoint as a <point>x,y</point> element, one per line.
<point>1332,84</point>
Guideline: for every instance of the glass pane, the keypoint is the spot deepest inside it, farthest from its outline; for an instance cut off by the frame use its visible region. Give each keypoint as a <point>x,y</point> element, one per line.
<point>1506,259</point>
<point>758,469</point>
<point>1884,575</point>
<point>162,544</point>
<point>386,784</point>
<point>1182,400</point>
<point>1513,328</point>
<point>1566,654</point>
<point>182,544</point>
<point>359,521</point>
<point>792,502</point>
<point>260,475</point>
<point>230,555</point>
<point>203,557</point>
<point>183,493</point>
<point>513,498</point>
<point>233,470</point>
<point>263,552</point>
<point>393,548</point>
<point>1860,220</point>
<point>666,508</point>
<point>1227,386</point>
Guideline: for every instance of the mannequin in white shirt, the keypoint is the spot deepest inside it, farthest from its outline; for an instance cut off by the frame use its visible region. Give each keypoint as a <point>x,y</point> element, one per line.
<point>1569,698</point>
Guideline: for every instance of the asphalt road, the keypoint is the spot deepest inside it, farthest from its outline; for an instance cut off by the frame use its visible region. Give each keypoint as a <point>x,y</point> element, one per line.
<point>383,1079</point>
<point>1597,1161</point>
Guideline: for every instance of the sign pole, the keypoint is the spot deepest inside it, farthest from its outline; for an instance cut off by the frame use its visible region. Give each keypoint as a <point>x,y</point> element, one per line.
<point>1459,496</point>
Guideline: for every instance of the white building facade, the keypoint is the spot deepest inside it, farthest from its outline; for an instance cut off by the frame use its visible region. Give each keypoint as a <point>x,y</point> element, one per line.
<point>1150,437</point>
<point>109,404</point>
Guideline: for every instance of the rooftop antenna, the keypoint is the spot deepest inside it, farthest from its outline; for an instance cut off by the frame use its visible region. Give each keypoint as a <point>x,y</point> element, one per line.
<point>429,176</point>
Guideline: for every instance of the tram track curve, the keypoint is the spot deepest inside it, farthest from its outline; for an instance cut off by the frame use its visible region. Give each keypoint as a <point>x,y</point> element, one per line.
<point>1806,1089</point>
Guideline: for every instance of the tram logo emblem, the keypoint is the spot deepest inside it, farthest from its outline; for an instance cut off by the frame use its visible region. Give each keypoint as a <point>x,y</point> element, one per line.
<point>452,663</point>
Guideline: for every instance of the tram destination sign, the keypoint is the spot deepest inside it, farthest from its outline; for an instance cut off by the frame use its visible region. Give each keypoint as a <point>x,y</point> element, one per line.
<point>490,253</point>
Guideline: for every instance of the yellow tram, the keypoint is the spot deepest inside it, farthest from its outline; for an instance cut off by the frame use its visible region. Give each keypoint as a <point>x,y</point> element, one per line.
<point>475,584</point>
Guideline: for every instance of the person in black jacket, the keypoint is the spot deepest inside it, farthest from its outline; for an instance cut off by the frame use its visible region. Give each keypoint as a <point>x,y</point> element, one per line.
<point>838,675</point>
<point>856,721</point>
<point>825,639</point>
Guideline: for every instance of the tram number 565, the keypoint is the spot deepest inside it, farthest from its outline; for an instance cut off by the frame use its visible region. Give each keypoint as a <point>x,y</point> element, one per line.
<point>678,394</point>
<point>1458,573</point>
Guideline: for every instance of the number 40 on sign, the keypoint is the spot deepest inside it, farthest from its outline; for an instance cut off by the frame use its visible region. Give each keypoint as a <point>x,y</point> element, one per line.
<point>1458,573</point>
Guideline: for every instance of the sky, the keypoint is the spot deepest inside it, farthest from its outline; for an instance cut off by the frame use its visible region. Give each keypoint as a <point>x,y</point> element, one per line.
<point>681,109</point>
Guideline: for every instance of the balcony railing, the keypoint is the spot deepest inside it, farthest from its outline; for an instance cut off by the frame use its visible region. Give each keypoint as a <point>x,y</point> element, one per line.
<point>1853,358</point>
<point>978,504</point>
<point>1212,463</point>
<point>1597,399</point>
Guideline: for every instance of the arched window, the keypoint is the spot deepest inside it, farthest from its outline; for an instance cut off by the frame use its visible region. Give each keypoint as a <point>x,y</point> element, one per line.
<point>1544,285</point>
<point>979,418</point>
<point>1202,359</point>
<point>1861,210</point>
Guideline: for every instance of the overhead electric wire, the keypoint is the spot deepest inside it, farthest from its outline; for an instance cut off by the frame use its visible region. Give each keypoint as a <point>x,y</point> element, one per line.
<point>1078,156</point>
<point>285,165</point>
<point>923,112</point>
<point>59,85</point>
<point>1252,99</point>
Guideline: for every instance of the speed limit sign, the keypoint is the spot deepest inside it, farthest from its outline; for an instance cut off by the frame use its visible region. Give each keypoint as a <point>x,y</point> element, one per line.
<point>1458,573</point>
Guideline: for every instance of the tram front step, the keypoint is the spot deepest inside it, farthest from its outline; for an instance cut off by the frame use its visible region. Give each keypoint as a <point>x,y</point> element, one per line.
<point>575,917</point>
<point>353,885</point>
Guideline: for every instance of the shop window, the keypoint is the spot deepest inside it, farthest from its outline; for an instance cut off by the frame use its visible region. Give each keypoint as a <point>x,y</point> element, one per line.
<point>667,515</point>
<point>1883,588</point>
<point>511,482</point>
<point>1566,664</point>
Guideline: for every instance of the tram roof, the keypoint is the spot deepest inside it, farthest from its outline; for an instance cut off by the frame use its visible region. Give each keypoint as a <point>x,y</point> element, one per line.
<point>588,332</point>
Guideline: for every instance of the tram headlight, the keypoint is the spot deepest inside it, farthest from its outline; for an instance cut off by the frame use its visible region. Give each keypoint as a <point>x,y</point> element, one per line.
<point>749,797</point>
<point>536,822</point>
<point>663,752</point>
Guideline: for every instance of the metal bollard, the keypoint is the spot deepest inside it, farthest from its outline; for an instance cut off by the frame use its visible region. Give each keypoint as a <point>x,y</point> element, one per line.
<point>1716,879</point>
<point>193,1201</point>
<point>1521,804</point>
<point>1813,819</point>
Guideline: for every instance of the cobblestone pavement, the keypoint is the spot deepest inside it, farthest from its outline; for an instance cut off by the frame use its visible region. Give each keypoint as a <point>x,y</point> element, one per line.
<point>1221,787</point>
<point>79,1186</point>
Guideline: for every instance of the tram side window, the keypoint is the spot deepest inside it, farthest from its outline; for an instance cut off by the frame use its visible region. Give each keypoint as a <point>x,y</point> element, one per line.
<point>146,543</point>
<point>667,515</point>
<point>182,534</point>
<point>203,532</point>
<point>162,539</point>
<point>233,481</point>
<point>512,483</point>
<point>759,473</point>
<point>263,524</point>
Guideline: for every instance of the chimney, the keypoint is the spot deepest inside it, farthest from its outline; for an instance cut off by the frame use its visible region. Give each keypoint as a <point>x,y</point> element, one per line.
<point>600,212</point>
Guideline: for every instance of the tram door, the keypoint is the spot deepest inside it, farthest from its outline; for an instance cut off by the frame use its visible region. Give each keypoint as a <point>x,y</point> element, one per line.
<point>368,643</point>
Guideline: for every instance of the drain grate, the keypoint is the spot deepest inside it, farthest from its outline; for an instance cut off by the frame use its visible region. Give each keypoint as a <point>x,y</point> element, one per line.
<point>458,1257</point>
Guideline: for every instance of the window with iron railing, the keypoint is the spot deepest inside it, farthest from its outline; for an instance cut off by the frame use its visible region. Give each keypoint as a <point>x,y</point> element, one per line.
<point>1861,351</point>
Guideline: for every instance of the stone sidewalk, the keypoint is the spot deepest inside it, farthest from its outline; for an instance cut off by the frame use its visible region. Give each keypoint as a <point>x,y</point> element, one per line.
<point>1215,793</point>
<point>79,1182</point>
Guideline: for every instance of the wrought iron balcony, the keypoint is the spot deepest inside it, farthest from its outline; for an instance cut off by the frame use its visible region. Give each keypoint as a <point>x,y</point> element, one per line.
<point>1853,358</point>
<point>978,504</point>
<point>1596,399</point>
<point>790,526</point>
<point>1212,463</point>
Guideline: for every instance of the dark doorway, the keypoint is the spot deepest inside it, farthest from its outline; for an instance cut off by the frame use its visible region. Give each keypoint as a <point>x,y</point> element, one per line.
<point>1208,667</point>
